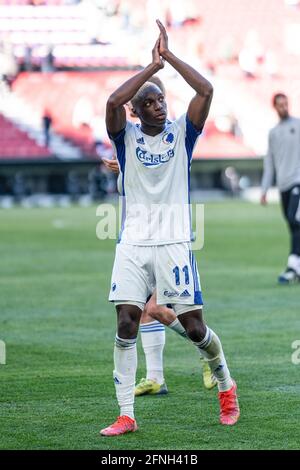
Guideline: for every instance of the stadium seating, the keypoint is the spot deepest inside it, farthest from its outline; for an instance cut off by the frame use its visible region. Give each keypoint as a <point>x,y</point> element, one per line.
<point>16,144</point>
<point>215,37</point>
<point>64,29</point>
<point>82,35</point>
<point>75,98</point>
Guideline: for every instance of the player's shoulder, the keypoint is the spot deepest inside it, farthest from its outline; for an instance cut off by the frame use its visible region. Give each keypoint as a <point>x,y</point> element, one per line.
<point>274,129</point>
<point>295,120</point>
<point>120,136</point>
<point>130,126</point>
<point>291,120</point>
<point>179,122</point>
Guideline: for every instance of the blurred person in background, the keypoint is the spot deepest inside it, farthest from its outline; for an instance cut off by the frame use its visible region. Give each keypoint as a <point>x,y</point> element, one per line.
<point>97,183</point>
<point>73,185</point>
<point>283,161</point>
<point>47,122</point>
<point>8,64</point>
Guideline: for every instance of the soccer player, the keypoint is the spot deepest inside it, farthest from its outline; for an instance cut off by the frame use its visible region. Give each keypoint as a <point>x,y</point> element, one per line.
<point>154,317</point>
<point>152,322</point>
<point>283,159</point>
<point>155,160</point>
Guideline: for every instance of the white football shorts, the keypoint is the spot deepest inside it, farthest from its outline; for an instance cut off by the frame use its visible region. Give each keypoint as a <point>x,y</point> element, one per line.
<point>170,269</point>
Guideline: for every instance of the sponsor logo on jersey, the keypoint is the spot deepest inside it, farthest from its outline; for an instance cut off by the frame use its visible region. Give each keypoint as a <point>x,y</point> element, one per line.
<point>140,140</point>
<point>170,294</point>
<point>114,286</point>
<point>149,159</point>
<point>185,293</point>
<point>168,138</point>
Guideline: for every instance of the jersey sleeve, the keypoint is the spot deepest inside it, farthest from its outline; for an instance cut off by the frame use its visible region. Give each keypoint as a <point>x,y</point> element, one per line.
<point>191,133</point>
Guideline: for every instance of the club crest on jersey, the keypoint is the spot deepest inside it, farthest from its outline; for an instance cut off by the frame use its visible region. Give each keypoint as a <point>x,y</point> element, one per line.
<point>168,138</point>
<point>140,140</point>
<point>149,159</point>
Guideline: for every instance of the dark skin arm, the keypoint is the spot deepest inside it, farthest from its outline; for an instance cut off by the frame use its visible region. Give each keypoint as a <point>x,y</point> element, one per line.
<point>115,110</point>
<point>199,106</point>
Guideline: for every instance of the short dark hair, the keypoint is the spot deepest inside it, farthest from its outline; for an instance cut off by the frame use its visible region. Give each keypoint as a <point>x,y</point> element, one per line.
<point>140,93</point>
<point>276,97</point>
<point>157,81</point>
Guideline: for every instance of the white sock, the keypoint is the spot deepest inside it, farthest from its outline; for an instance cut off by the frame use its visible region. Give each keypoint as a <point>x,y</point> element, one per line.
<point>153,340</point>
<point>294,263</point>
<point>211,349</point>
<point>178,328</point>
<point>125,360</point>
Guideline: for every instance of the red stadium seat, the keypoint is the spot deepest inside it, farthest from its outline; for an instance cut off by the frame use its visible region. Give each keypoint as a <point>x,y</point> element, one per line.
<point>16,144</point>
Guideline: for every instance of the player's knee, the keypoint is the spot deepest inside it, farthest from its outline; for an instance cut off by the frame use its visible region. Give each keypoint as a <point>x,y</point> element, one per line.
<point>295,226</point>
<point>294,223</point>
<point>128,321</point>
<point>127,328</point>
<point>196,330</point>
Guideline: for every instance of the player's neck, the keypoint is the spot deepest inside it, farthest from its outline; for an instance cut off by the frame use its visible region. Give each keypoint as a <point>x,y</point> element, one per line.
<point>285,118</point>
<point>152,130</point>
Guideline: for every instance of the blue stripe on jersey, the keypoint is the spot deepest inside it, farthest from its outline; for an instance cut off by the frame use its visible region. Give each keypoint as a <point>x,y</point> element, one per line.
<point>189,199</point>
<point>119,141</point>
<point>191,135</point>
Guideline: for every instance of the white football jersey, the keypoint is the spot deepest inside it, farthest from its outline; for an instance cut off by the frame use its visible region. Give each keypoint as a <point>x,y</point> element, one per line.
<point>155,174</point>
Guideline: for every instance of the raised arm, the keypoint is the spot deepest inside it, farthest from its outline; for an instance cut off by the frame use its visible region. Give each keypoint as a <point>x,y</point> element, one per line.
<point>115,111</point>
<point>199,106</point>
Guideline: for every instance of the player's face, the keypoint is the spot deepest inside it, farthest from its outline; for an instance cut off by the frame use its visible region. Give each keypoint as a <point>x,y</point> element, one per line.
<point>282,107</point>
<point>152,108</point>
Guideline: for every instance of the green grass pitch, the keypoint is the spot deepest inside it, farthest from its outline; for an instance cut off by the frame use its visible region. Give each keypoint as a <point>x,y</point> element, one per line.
<point>56,391</point>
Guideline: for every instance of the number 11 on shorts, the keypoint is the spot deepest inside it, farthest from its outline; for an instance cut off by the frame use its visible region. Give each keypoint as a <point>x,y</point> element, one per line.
<point>185,271</point>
